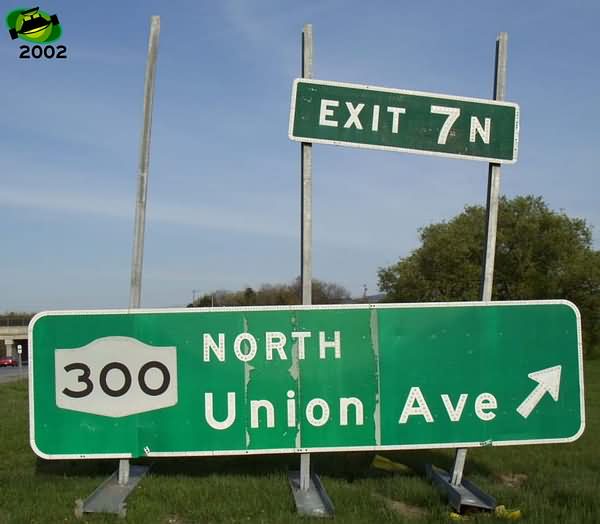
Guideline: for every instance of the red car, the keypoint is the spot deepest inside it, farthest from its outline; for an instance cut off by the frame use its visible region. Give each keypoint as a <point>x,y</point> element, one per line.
<point>8,361</point>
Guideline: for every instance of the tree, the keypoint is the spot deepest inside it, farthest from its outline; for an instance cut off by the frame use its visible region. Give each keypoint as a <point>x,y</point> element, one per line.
<point>540,254</point>
<point>323,292</point>
<point>275,294</point>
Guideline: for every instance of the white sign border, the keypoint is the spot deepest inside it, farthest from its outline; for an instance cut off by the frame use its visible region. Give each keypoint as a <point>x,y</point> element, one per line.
<point>343,143</point>
<point>449,445</point>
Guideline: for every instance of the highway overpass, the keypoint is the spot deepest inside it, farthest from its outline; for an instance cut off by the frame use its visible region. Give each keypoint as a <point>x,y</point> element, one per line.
<point>13,333</point>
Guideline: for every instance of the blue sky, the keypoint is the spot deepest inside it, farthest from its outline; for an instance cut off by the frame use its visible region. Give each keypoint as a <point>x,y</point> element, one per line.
<point>223,200</point>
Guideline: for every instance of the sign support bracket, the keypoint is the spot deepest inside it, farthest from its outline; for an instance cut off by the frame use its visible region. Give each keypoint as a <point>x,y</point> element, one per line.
<point>110,496</point>
<point>309,494</point>
<point>460,491</point>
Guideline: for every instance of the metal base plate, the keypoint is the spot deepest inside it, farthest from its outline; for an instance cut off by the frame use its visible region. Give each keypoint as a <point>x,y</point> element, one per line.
<point>110,496</point>
<point>462,496</point>
<point>313,502</point>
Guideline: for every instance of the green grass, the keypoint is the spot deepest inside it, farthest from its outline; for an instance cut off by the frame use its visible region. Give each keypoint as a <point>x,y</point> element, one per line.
<point>549,484</point>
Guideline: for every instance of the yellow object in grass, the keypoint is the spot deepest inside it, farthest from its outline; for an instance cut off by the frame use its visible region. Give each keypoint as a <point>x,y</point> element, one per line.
<point>501,512</point>
<point>386,464</point>
<point>508,514</point>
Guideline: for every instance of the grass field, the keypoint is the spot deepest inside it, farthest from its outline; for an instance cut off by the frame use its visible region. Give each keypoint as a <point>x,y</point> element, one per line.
<point>549,484</point>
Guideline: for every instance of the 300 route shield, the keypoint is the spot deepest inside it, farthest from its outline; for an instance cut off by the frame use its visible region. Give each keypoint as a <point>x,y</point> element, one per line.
<point>297,379</point>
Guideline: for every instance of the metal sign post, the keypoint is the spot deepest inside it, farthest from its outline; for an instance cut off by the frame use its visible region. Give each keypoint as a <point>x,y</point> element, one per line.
<point>306,211</point>
<point>20,354</point>
<point>309,494</point>
<point>142,189</point>
<point>110,496</point>
<point>464,493</point>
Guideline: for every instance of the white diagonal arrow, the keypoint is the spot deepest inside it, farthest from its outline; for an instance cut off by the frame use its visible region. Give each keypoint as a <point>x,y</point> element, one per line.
<point>548,382</point>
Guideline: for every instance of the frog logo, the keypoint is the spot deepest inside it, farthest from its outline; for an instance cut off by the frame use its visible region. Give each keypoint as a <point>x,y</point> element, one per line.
<point>33,25</point>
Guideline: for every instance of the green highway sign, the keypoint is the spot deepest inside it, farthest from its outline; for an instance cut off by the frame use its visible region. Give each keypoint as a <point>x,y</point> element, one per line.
<point>380,118</point>
<point>304,378</point>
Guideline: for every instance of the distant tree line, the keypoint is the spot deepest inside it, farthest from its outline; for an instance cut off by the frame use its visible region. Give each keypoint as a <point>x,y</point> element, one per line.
<point>15,318</point>
<point>275,295</point>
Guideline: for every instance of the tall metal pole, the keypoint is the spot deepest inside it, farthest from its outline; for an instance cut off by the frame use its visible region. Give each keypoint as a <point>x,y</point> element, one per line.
<point>306,189</point>
<point>306,211</point>
<point>142,190</point>
<point>493,198</point>
<point>493,189</point>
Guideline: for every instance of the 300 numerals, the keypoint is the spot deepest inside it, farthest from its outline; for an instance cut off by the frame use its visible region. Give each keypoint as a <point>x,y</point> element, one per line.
<point>117,367</point>
<point>47,51</point>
